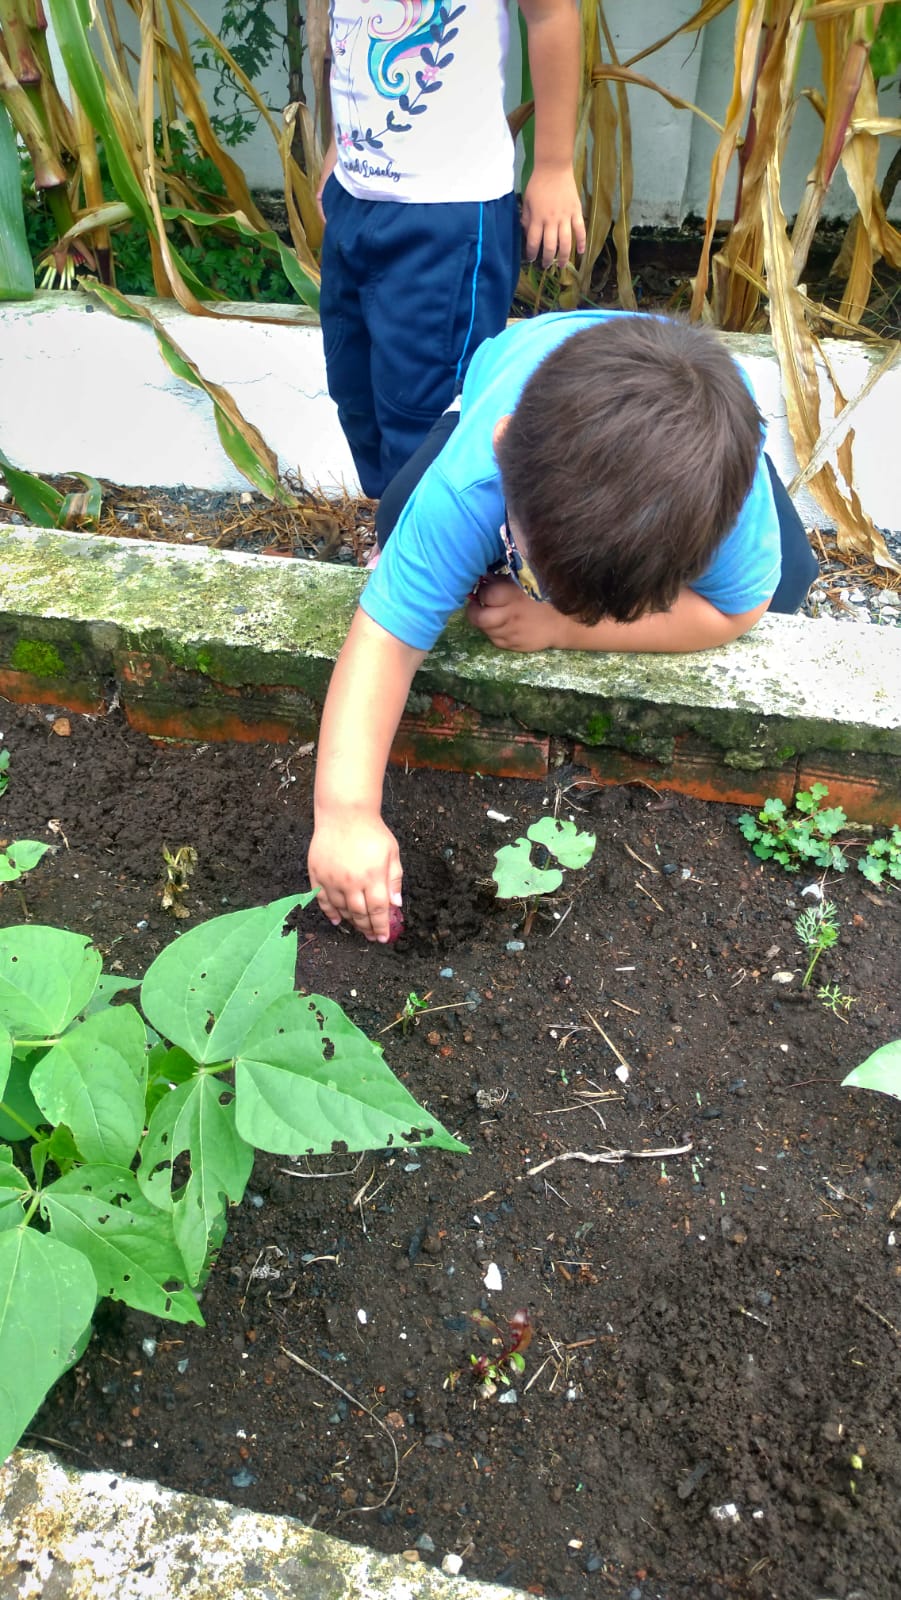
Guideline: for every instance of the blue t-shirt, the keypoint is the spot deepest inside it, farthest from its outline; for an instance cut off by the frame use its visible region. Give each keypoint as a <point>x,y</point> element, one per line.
<point>448,535</point>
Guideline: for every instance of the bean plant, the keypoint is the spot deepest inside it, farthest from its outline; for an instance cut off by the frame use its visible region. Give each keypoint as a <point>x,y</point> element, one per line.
<point>520,876</point>
<point>126,1129</point>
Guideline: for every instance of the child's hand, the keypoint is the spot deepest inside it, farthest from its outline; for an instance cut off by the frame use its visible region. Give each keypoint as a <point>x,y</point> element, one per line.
<point>511,619</point>
<point>552,216</point>
<point>354,862</point>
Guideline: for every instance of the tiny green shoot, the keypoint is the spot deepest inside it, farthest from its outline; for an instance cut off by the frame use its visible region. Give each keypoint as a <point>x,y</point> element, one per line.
<point>817,929</point>
<point>4,771</point>
<point>832,998</point>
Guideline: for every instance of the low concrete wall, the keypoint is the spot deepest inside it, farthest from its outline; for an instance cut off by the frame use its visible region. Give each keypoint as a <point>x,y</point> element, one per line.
<point>212,644</point>
<point>68,1535</point>
<point>82,390</point>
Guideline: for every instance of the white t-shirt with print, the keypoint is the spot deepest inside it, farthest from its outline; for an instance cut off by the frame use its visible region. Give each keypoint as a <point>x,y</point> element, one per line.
<point>417,92</point>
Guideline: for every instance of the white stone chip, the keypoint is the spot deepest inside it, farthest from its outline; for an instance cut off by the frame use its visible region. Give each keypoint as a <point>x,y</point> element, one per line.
<point>492,1279</point>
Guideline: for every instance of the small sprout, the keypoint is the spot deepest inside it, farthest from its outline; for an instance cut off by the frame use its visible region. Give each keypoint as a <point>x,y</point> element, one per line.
<point>4,771</point>
<point>817,929</point>
<point>832,998</point>
<point>495,1369</point>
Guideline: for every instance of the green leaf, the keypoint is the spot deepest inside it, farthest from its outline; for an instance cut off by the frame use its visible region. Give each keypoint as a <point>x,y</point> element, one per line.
<point>36,500</point>
<point>197,1119</point>
<point>307,1080</point>
<point>94,1080</point>
<point>517,878</point>
<point>880,1071</point>
<point>47,1299</point>
<point>14,1188</point>
<point>564,840</point>
<point>59,1147</point>
<point>205,991</point>
<point>20,857</point>
<point>18,1100</point>
<point>6,1056</point>
<point>100,1211</point>
<point>47,976</point>
<point>16,268</point>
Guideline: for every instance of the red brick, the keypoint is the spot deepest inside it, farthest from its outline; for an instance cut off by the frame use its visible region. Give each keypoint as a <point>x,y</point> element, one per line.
<point>695,769</point>
<point>454,738</point>
<point>26,690</point>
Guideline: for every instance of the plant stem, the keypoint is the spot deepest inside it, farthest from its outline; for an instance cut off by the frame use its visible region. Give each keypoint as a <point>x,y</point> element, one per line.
<point>8,1111</point>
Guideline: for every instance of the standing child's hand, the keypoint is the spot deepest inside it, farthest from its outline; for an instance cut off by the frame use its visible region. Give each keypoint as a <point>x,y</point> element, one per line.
<point>354,863</point>
<point>552,216</point>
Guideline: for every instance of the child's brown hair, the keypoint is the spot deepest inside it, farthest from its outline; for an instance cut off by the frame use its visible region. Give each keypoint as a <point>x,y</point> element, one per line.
<point>626,461</point>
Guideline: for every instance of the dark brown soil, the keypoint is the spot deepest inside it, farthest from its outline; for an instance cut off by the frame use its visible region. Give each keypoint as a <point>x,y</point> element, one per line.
<point>714,1329</point>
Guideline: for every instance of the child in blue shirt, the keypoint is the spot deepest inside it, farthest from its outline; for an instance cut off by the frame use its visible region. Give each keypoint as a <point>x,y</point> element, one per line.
<point>604,488</point>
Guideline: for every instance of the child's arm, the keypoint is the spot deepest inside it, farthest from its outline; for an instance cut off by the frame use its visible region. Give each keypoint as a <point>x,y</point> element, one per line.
<point>551,209</point>
<point>354,860</point>
<point>514,622</point>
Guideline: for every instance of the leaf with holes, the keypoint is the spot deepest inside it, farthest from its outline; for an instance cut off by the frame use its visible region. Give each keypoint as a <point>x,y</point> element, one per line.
<point>196,1119</point>
<point>100,1211</point>
<point>307,1081</point>
<point>14,1188</point>
<point>206,991</point>
<point>93,1080</point>
<point>570,845</point>
<point>517,878</point>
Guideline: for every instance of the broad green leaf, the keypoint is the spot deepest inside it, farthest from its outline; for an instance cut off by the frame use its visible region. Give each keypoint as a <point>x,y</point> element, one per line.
<point>47,1299</point>
<point>206,990</point>
<point>308,1080</point>
<point>47,976</point>
<point>37,500</point>
<point>165,1070</point>
<point>6,1056</point>
<point>20,857</point>
<point>19,1115</point>
<point>100,1211</point>
<point>517,878</point>
<point>14,1187</point>
<point>880,1071</point>
<point>94,1081</point>
<point>16,269</point>
<point>564,840</point>
<point>197,1119</point>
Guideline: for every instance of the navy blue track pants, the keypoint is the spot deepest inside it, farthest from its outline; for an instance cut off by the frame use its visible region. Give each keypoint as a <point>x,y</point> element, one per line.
<point>408,294</point>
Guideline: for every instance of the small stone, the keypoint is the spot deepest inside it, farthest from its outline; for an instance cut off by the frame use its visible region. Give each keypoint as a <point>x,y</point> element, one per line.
<point>594,1563</point>
<point>425,1544</point>
<point>446,972</point>
<point>412,1556</point>
<point>452,1565</point>
<point>515,944</point>
<point>508,1398</point>
<point>727,1513</point>
<point>243,1479</point>
<point>149,1348</point>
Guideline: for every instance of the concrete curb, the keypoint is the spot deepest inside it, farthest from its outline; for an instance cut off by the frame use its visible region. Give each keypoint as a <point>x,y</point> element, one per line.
<point>70,1535</point>
<point>199,644</point>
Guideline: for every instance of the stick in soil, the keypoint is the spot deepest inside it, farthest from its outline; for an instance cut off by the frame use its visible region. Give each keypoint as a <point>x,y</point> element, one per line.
<point>610,1158</point>
<point>359,1404</point>
<point>865,1306</point>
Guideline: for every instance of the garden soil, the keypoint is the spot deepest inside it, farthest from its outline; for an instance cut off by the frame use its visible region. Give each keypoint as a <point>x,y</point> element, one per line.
<point>709,1406</point>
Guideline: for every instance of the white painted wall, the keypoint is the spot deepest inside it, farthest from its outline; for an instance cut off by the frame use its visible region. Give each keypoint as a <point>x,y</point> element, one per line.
<point>672,149</point>
<point>135,423</point>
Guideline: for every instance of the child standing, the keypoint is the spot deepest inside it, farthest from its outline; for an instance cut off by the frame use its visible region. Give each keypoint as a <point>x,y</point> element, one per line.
<point>422,243</point>
<point>605,488</point>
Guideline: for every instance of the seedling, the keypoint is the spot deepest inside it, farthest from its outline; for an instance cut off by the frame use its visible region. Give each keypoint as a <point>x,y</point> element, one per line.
<point>817,929</point>
<point>496,1368</point>
<point>413,1004</point>
<point>836,1002</point>
<point>800,838</point>
<point>521,871</point>
<point>20,857</point>
<point>4,771</point>
<point>881,1071</point>
<point>125,1134</point>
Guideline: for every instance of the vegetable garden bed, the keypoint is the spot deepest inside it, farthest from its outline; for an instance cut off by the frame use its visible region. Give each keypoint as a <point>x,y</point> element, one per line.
<point>708,1406</point>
